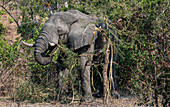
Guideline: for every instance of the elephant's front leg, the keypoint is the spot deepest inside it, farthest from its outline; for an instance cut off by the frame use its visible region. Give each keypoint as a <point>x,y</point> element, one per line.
<point>85,76</point>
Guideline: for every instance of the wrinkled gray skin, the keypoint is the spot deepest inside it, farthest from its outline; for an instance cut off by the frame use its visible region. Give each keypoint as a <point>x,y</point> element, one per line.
<point>74,29</point>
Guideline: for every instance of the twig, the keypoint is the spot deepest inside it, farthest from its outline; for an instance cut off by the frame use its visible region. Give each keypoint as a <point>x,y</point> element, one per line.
<point>111,65</point>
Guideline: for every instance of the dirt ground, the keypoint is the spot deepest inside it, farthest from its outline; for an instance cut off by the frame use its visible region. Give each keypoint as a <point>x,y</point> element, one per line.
<point>127,101</point>
<point>11,36</point>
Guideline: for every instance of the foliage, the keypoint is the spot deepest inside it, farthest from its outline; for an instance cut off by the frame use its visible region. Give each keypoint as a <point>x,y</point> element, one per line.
<point>2,11</point>
<point>11,20</point>
<point>8,64</point>
<point>2,29</point>
<point>7,53</point>
<point>143,62</point>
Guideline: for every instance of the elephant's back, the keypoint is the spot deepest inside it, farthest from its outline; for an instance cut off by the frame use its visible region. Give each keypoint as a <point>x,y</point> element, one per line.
<point>79,15</point>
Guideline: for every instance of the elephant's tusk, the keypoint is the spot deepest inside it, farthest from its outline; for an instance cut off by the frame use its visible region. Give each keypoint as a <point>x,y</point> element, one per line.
<point>52,44</point>
<point>27,44</point>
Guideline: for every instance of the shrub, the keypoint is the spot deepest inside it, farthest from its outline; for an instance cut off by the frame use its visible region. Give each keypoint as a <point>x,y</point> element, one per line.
<point>2,11</point>
<point>11,20</point>
<point>2,29</point>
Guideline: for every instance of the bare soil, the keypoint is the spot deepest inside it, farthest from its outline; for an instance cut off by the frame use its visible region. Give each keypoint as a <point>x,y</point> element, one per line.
<point>127,101</point>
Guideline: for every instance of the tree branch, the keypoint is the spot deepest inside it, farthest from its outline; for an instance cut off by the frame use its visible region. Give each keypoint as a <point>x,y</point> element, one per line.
<point>106,90</point>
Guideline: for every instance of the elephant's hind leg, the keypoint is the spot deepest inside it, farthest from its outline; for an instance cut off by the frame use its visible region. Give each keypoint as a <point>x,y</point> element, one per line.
<point>62,84</point>
<point>114,89</point>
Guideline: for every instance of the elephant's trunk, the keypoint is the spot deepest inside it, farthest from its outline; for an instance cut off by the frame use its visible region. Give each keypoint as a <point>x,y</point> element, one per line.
<point>42,50</point>
<point>41,58</point>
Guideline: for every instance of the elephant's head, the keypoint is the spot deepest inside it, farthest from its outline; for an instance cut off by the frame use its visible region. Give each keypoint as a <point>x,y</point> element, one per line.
<point>54,30</point>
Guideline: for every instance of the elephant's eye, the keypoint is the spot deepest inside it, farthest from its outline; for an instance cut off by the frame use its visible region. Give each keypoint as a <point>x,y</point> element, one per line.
<point>59,30</point>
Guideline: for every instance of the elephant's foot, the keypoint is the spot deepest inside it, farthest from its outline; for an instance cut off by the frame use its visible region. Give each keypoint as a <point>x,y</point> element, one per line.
<point>62,98</point>
<point>115,95</point>
<point>87,98</point>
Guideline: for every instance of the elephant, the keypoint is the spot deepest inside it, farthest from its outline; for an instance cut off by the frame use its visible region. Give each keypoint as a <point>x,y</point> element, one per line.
<point>76,30</point>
